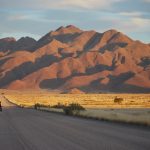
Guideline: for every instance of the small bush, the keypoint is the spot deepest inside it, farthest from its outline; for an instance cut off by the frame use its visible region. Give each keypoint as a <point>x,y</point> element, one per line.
<point>37,105</point>
<point>73,109</point>
<point>118,100</point>
<point>22,106</point>
<point>59,106</point>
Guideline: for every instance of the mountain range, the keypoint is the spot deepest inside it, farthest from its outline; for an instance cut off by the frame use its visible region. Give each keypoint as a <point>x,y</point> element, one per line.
<point>70,59</point>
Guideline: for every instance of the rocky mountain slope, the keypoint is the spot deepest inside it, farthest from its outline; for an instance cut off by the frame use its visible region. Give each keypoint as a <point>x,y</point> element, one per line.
<point>70,58</point>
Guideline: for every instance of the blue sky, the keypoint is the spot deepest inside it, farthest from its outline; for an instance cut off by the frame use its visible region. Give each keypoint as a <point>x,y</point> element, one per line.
<point>37,17</point>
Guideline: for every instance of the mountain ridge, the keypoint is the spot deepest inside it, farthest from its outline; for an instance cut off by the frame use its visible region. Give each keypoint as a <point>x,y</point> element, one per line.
<point>70,58</point>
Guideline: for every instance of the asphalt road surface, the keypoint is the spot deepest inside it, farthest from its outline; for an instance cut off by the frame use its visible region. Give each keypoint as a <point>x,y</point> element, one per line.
<point>27,129</point>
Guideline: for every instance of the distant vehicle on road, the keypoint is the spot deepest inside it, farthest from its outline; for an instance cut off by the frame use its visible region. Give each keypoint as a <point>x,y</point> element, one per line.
<point>0,106</point>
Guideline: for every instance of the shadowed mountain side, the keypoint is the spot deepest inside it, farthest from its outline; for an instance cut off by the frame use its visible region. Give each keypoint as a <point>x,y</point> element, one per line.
<point>124,88</point>
<point>93,41</point>
<point>92,85</point>
<point>119,37</point>
<point>58,82</point>
<point>145,62</point>
<point>112,47</point>
<point>6,43</point>
<point>99,80</point>
<point>63,34</point>
<point>27,68</point>
<point>116,81</point>
<point>24,43</point>
<point>3,61</point>
<point>127,88</point>
<point>98,86</point>
<point>53,83</point>
<point>11,45</point>
<point>47,39</point>
<point>99,68</point>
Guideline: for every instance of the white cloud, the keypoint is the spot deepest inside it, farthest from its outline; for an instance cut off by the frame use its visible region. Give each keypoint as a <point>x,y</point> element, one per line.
<point>58,4</point>
<point>135,24</point>
<point>89,4</point>
<point>42,15</point>
<point>148,1</point>
<point>17,17</point>
<point>140,22</point>
<point>131,14</point>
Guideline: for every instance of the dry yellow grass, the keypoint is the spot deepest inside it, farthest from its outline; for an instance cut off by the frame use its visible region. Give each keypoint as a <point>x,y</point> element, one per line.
<point>137,116</point>
<point>29,98</point>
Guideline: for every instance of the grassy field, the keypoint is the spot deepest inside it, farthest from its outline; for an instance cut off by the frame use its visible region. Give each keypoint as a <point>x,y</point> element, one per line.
<point>135,108</point>
<point>28,98</point>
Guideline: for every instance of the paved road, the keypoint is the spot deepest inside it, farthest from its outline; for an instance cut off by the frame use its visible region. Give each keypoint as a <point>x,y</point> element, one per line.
<point>26,129</point>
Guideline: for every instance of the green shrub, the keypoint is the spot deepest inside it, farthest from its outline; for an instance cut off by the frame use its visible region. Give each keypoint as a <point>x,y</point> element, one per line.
<point>73,109</point>
<point>37,105</point>
<point>59,106</point>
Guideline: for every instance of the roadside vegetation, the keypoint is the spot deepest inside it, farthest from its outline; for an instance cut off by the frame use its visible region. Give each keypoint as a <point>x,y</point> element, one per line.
<point>134,116</point>
<point>71,109</point>
<point>130,108</point>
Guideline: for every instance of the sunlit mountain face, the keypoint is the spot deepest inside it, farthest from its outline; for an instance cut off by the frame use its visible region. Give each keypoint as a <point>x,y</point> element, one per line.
<point>71,58</point>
